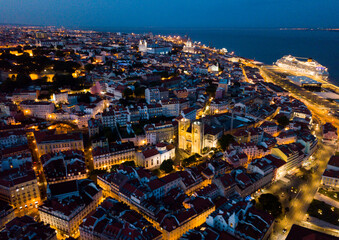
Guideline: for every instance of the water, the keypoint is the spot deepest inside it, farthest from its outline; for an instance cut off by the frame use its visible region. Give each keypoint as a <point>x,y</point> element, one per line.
<point>265,45</point>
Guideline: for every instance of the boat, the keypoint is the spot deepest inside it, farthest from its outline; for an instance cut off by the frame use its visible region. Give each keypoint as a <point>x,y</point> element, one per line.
<point>303,65</point>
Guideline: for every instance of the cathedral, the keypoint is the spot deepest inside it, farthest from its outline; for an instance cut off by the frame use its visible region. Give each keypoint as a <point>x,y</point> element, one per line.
<point>143,46</point>
<point>189,47</point>
<point>191,135</point>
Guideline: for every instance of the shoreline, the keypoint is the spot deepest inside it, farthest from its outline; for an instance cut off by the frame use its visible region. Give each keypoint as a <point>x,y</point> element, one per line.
<point>220,38</point>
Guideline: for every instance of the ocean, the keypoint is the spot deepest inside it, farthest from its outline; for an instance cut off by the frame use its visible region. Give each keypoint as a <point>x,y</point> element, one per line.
<point>264,45</point>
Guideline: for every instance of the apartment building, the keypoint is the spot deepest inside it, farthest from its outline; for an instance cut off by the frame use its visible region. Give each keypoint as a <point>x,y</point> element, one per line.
<point>117,153</point>
<point>159,132</point>
<point>19,187</point>
<point>68,203</point>
<point>40,109</point>
<point>49,142</point>
<point>64,166</point>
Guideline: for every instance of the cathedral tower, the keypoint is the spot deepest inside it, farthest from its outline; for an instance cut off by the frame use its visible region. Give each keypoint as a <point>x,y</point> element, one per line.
<point>197,136</point>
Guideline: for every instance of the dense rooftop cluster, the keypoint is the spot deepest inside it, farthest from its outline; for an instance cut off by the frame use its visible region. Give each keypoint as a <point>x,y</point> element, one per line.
<point>179,136</point>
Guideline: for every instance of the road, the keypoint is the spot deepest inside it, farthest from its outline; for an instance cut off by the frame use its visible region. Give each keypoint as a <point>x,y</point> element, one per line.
<point>320,109</point>
<point>298,198</point>
<point>302,195</point>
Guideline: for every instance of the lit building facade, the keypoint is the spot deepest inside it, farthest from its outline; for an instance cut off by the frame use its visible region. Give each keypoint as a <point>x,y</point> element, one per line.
<point>37,109</point>
<point>106,157</point>
<point>154,157</point>
<point>20,189</point>
<point>68,204</point>
<point>48,142</point>
<point>191,135</point>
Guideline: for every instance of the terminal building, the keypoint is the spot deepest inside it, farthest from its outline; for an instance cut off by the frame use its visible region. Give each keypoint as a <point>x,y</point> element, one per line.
<point>306,82</point>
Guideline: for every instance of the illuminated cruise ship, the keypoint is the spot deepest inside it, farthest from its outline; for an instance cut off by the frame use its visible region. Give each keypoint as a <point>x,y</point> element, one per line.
<point>303,65</point>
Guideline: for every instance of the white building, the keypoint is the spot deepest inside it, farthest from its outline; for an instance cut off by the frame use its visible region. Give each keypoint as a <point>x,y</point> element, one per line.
<point>153,49</point>
<point>330,177</point>
<point>155,94</point>
<point>60,97</point>
<point>40,109</point>
<point>153,158</point>
<point>189,47</point>
<point>243,221</point>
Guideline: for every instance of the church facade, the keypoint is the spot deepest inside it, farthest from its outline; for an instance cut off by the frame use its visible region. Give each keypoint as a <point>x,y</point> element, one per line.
<point>191,135</point>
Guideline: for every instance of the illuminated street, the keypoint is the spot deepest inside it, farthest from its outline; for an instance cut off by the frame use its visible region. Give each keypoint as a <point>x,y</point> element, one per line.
<point>299,199</point>
<point>195,125</point>
<point>305,192</point>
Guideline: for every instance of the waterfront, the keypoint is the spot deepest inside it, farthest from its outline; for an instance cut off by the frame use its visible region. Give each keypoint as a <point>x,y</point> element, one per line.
<point>266,45</point>
<point>198,149</point>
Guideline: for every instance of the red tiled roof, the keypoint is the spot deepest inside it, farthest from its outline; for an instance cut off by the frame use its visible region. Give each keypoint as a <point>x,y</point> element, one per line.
<point>150,152</point>
<point>334,161</point>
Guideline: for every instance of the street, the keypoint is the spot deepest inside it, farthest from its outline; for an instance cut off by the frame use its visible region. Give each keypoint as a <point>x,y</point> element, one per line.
<point>298,193</point>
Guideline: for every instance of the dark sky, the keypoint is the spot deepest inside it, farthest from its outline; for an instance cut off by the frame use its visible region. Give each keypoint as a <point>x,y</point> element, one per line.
<point>172,13</point>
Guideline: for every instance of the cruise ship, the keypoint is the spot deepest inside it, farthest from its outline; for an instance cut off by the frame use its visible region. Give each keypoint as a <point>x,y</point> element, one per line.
<point>303,65</point>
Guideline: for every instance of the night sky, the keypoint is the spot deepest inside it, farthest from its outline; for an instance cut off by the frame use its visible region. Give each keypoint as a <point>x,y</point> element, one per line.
<point>175,13</point>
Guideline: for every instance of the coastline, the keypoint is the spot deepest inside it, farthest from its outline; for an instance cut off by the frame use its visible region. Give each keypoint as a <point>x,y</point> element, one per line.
<point>261,44</point>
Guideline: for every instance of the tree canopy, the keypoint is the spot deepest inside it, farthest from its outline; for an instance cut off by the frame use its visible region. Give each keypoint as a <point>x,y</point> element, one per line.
<point>190,160</point>
<point>128,92</point>
<point>89,67</point>
<point>225,141</point>
<point>210,90</point>
<point>167,166</point>
<point>283,121</point>
<point>270,203</point>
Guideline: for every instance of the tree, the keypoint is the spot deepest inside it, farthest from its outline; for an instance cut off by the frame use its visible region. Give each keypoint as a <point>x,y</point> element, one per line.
<point>188,161</point>
<point>128,92</point>
<point>89,67</point>
<point>156,172</point>
<point>270,203</point>
<point>129,163</point>
<point>23,80</point>
<point>139,91</point>
<point>167,166</point>
<point>225,141</point>
<point>237,84</point>
<point>85,98</point>
<point>283,121</point>
<point>210,90</point>
<point>138,129</point>
<point>59,53</point>
<point>66,67</point>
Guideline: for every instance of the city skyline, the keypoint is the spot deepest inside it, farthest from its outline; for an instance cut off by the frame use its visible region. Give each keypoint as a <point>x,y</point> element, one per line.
<point>156,120</point>
<point>188,14</point>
